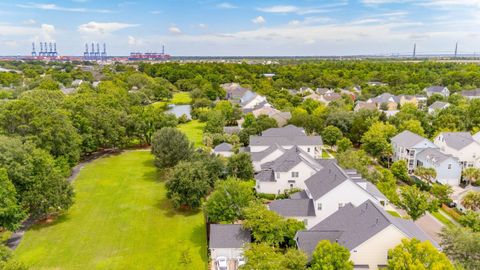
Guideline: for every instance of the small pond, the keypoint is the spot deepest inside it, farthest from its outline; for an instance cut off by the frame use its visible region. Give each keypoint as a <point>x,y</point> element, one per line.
<point>179,110</point>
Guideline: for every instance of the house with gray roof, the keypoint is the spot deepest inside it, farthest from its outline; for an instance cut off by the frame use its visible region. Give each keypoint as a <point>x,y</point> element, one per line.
<point>448,169</point>
<point>288,170</point>
<point>224,149</point>
<point>461,145</point>
<point>440,90</point>
<point>287,137</point>
<point>471,94</point>
<point>328,190</point>
<point>363,105</point>
<point>366,230</point>
<point>250,100</point>
<point>227,240</point>
<point>437,106</point>
<point>407,145</point>
<point>234,91</point>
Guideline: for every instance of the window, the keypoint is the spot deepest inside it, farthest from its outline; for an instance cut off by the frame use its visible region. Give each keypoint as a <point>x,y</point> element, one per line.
<point>291,181</point>
<point>308,149</point>
<point>319,206</point>
<point>305,221</point>
<point>449,166</point>
<point>291,185</point>
<point>340,205</point>
<point>294,174</point>
<point>277,175</point>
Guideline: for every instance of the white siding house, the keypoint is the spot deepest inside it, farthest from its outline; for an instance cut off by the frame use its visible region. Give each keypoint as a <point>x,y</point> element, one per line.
<point>461,145</point>
<point>407,145</point>
<point>366,230</point>
<point>287,137</point>
<point>448,169</point>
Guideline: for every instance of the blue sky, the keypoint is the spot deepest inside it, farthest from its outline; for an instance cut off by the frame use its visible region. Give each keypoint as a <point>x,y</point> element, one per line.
<point>247,27</point>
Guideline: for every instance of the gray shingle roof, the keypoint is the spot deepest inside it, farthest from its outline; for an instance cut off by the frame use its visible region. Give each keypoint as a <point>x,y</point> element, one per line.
<point>228,236</point>
<point>286,131</point>
<point>407,139</point>
<point>265,176</point>
<point>293,207</point>
<point>385,97</point>
<point>223,147</point>
<point>247,97</point>
<point>437,105</point>
<point>299,195</point>
<point>433,154</point>
<point>296,140</point>
<point>307,241</point>
<point>373,190</point>
<point>435,89</point>
<point>290,159</point>
<point>356,225</point>
<point>471,93</point>
<point>257,156</point>
<point>325,180</point>
<point>457,140</point>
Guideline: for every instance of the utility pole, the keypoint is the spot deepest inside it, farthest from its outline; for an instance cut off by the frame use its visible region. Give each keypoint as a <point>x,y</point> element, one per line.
<point>414,50</point>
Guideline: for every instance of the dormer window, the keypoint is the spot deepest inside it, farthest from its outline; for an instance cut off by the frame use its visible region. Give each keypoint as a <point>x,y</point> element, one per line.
<point>319,206</point>
<point>295,174</point>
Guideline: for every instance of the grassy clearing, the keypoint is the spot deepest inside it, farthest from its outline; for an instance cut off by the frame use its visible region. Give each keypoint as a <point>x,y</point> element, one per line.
<point>442,218</point>
<point>181,98</point>
<point>121,219</point>
<point>394,213</point>
<point>194,131</point>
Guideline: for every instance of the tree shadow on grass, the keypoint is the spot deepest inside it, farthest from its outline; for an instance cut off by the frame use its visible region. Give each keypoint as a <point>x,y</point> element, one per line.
<point>166,207</point>
<point>42,224</point>
<point>198,236</point>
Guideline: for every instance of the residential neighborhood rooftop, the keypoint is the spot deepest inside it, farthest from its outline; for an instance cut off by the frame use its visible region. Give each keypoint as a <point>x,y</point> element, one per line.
<point>228,236</point>
<point>407,139</point>
<point>351,226</point>
<point>293,207</point>
<point>457,140</point>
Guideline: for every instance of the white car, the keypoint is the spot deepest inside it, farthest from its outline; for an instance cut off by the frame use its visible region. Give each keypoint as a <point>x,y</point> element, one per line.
<point>222,263</point>
<point>240,261</point>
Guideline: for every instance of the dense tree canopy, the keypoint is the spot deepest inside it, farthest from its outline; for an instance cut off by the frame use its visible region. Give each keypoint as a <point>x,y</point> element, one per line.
<point>413,254</point>
<point>170,146</point>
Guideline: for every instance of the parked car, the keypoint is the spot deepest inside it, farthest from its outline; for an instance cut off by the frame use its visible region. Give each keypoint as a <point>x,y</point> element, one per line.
<point>240,261</point>
<point>222,263</point>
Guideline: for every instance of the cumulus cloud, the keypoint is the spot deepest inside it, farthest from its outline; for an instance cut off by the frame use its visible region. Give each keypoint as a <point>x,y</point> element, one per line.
<point>55,7</point>
<point>132,41</point>
<point>103,27</point>
<point>29,22</point>
<point>259,20</point>
<point>174,30</point>
<point>47,31</point>
<point>226,5</point>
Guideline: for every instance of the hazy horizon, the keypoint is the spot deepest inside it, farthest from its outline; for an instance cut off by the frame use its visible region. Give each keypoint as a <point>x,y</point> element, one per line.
<point>244,28</point>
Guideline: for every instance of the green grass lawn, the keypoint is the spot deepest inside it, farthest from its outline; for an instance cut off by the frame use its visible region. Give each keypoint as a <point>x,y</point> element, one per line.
<point>442,218</point>
<point>181,98</point>
<point>194,131</point>
<point>394,213</point>
<point>121,219</point>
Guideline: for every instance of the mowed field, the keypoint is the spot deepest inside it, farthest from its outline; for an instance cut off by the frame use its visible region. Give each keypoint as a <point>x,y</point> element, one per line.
<point>121,219</point>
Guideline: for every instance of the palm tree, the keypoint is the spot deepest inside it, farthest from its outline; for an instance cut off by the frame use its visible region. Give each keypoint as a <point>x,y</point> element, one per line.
<point>472,200</point>
<point>472,175</point>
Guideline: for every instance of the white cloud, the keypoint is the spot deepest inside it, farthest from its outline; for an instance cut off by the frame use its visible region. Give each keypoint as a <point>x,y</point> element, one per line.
<point>132,41</point>
<point>288,9</point>
<point>174,30</point>
<point>156,12</point>
<point>226,5</point>
<point>103,28</point>
<point>280,9</point>
<point>47,31</point>
<point>259,20</point>
<point>202,25</point>
<point>29,22</point>
<point>55,7</point>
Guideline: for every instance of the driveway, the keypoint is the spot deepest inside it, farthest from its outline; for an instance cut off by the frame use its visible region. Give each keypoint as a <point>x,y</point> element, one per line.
<point>431,226</point>
<point>428,223</point>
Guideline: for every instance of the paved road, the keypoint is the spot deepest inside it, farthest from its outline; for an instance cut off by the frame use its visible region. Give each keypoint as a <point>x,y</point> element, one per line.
<point>428,223</point>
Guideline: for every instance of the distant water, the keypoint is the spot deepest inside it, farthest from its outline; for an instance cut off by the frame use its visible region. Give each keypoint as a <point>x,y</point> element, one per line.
<point>179,110</point>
